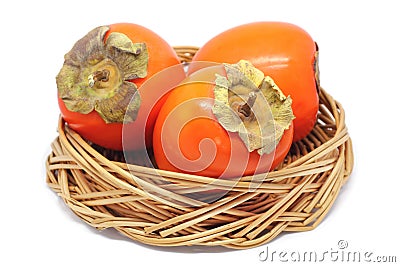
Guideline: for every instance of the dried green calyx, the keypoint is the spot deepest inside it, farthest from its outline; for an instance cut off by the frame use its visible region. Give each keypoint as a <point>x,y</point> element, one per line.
<point>97,75</point>
<point>251,104</point>
<point>316,67</point>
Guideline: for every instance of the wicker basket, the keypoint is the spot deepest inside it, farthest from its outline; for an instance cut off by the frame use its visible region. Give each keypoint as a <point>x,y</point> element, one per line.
<point>99,187</point>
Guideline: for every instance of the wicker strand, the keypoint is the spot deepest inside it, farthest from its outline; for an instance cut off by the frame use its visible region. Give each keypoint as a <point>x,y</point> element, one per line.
<point>105,192</point>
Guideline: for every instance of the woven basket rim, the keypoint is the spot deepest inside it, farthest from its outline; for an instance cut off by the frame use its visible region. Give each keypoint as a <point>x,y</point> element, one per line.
<point>296,197</point>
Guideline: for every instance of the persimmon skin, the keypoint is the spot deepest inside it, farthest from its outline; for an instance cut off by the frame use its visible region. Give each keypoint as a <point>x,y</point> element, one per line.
<point>110,135</point>
<point>282,51</point>
<point>188,138</point>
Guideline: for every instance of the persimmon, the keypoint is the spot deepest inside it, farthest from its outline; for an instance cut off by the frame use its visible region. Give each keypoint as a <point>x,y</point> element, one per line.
<point>226,120</point>
<point>99,85</point>
<point>283,51</point>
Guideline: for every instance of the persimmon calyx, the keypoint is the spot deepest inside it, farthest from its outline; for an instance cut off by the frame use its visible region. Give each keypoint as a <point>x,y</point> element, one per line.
<point>97,75</point>
<point>251,104</point>
<point>316,68</point>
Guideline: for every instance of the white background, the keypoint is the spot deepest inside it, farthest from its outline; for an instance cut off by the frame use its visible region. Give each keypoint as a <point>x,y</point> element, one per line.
<point>359,62</point>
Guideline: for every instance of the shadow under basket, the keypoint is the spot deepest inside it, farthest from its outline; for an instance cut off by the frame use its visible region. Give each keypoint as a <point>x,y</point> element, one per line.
<point>159,208</point>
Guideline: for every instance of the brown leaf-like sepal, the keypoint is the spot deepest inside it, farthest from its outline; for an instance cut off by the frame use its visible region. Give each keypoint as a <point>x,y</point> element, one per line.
<point>124,104</point>
<point>264,122</point>
<point>97,75</point>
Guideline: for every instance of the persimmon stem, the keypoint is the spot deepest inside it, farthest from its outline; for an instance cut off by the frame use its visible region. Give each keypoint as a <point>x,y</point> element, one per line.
<point>99,75</point>
<point>245,108</point>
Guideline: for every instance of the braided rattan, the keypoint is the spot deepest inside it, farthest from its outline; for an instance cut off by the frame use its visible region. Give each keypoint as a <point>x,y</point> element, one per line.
<point>100,188</point>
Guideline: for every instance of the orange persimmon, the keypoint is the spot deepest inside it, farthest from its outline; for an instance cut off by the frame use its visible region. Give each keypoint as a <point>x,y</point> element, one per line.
<point>280,50</point>
<point>226,120</point>
<point>99,85</point>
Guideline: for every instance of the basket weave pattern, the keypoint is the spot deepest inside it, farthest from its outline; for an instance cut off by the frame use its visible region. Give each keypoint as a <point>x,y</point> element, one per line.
<point>106,192</point>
